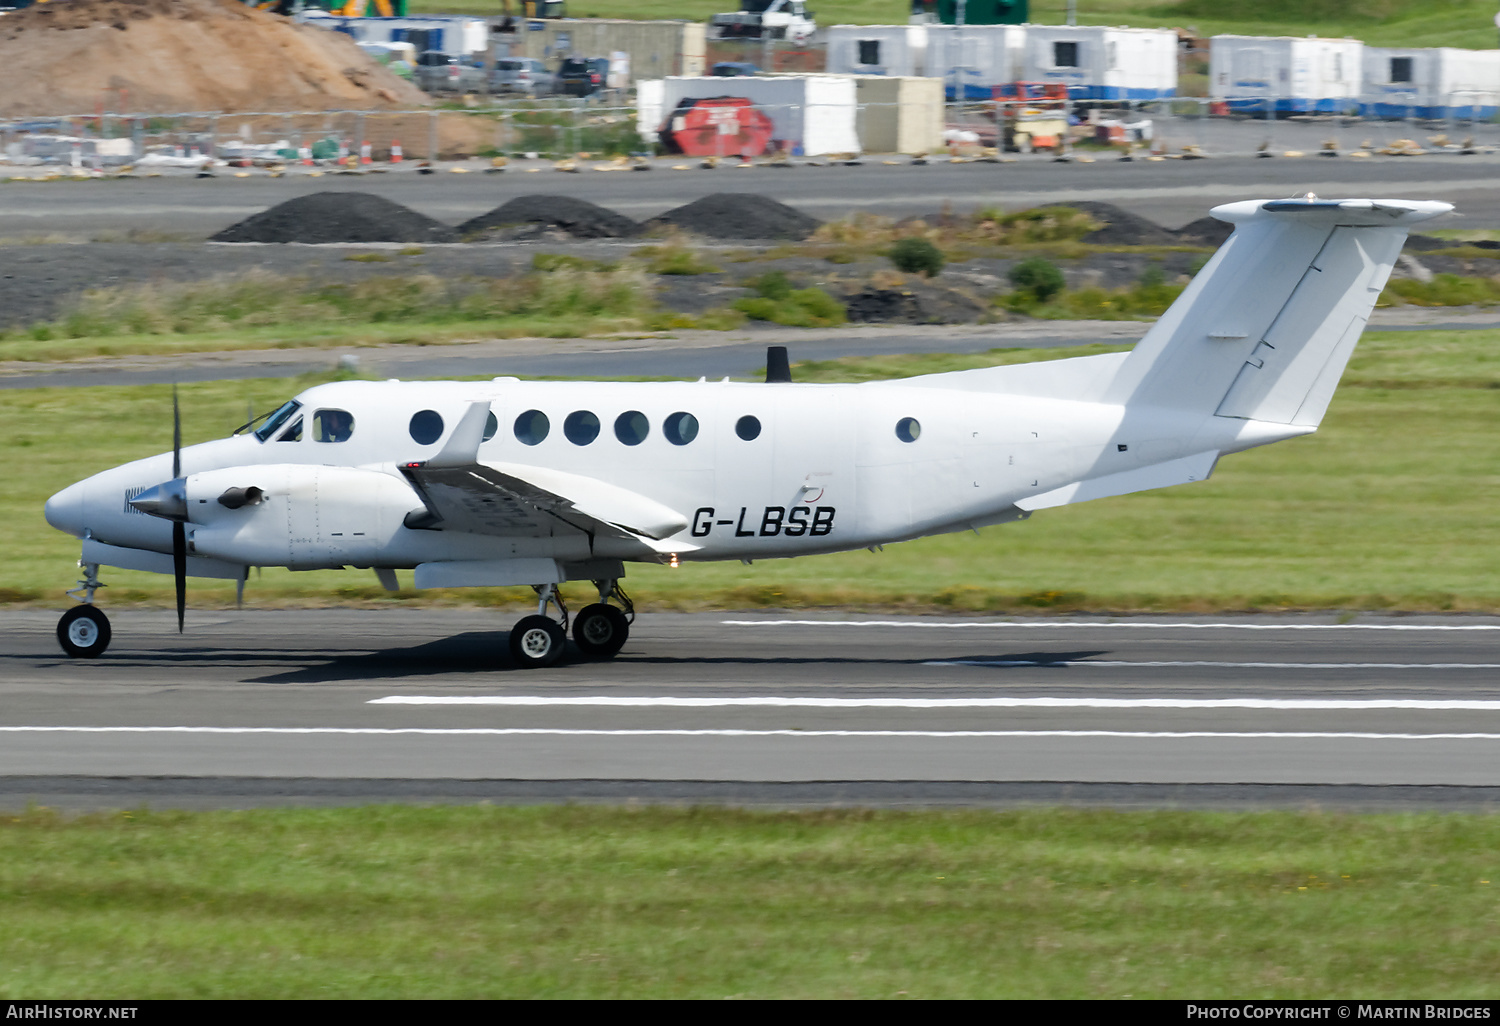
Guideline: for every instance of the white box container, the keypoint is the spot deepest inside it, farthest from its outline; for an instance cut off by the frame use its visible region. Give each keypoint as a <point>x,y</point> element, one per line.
<point>456,35</point>
<point>877,50</point>
<point>810,114</point>
<point>1285,73</point>
<point>1430,82</point>
<point>1098,62</point>
<point>973,59</point>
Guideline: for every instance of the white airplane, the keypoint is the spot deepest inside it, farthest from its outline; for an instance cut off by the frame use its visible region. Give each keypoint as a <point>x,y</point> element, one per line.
<point>481,484</point>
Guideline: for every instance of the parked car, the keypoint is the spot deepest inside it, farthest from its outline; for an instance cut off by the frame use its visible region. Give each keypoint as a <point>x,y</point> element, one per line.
<point>522,75</point>
<point>438,72</point>
<point>734,69</point>
<point>582,76</point>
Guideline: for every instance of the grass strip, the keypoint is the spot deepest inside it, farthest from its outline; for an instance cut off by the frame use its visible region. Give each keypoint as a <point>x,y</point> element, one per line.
<point>1390,506</point>
<point>584,901</point>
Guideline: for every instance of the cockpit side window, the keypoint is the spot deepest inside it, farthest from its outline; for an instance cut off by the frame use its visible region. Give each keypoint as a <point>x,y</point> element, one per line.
<point>275,421</point>
<point>293,433</point>
<point>332,426</point>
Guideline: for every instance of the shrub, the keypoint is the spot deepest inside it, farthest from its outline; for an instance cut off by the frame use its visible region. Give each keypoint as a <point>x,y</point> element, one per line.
<point>1038,276</point>
<point>917,256</point>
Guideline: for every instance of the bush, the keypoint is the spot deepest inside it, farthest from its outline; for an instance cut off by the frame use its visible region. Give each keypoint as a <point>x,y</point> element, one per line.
<point>917,256</point>
<point>776,301</point>
<point>1038,276</point>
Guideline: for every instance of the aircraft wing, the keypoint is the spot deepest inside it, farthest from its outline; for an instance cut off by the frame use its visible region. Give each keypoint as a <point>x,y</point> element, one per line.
<point>511,499</point>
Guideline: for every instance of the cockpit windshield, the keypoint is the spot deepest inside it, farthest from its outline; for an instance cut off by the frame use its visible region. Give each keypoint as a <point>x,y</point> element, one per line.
<point>277,419</point>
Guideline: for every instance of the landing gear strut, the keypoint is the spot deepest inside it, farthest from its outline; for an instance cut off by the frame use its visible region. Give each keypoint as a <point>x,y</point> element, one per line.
<point>599,629</point>
<point>83,632</point>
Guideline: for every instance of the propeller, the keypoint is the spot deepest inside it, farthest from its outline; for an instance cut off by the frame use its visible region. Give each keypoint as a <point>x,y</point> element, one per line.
<point>179,528</point>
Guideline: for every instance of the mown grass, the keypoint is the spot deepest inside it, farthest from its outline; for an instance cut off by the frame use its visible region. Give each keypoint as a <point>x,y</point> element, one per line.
<point>1390,506</point>
<point>482,902</point>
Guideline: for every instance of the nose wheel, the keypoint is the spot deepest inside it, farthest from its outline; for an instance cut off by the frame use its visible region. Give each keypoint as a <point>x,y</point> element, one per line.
<point>83,632</point>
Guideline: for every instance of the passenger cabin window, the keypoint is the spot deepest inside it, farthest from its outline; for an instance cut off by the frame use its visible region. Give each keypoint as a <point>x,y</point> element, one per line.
<point>532,427</point>
<point>632,427</point>
<point>908,430</point>
<point>1065,55</point>
<point>581,427</point>
<point>491,425</point>
<point>332,426</point>
<point>748,428</point>
<point>275,421</point>
<point>1400,69</point>
<point>293,433</point>
<point>426,427</point>
<point>680,428</point>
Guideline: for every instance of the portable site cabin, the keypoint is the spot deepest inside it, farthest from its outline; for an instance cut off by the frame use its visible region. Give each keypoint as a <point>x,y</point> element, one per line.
<point>1430,82</point>
<point>1285,73</point>
<point>456,36</point>
<point>1098,62</point>
<point>973,59</point>
<point>810,114</point>
<point>877,49</point>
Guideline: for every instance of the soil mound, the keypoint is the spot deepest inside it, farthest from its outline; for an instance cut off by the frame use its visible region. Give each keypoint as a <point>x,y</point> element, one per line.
<point>738,215</point>
<point>338,217</point>
<point>578,218</point>
<point>183,55</point>
<point>1206,231</point>
<point>1122,228</point>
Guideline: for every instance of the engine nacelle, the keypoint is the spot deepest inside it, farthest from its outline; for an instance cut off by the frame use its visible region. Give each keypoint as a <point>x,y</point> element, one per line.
<point>295,515</point>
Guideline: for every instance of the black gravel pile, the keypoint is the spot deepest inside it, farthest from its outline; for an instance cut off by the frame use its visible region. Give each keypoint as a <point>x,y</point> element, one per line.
<point>338,217</point>
<point>738,215</point>
<point>1122,228</point>
<point>578,218</point>
<point>916,303</point>
<point>1206,231</point>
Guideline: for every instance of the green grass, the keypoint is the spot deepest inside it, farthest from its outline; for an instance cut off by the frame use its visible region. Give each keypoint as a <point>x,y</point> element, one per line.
<point>1389,507</point>
<point>1465,23</point>
<point>598,902</point>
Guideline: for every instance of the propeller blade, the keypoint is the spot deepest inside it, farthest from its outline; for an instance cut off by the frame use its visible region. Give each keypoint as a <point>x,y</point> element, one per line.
<point>176,436</point>
<point>179,568</point>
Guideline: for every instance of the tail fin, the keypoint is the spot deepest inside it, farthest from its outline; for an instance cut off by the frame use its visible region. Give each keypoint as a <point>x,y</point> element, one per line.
<point>1265,329</point>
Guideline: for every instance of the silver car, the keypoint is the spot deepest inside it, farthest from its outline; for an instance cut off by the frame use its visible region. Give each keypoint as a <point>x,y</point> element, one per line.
<point>522,75</point>
<point>441,72</point>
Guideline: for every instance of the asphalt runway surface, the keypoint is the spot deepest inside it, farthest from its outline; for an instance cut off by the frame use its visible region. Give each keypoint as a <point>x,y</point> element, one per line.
<point>1171,192</point>
<point>346,706</point>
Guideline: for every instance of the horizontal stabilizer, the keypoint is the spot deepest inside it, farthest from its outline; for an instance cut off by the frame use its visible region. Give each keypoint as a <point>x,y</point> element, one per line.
<point>1196,467</point>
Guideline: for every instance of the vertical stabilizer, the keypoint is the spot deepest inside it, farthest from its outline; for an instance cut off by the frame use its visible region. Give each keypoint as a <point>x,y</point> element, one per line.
<point>1264,331</point>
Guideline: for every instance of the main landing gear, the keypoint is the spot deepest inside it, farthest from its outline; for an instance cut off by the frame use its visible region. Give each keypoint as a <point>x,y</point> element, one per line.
<point>83,631</point>
<point>600,629</point>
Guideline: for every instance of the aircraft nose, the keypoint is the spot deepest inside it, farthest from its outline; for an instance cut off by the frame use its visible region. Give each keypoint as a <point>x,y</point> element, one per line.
<point>64,510</point>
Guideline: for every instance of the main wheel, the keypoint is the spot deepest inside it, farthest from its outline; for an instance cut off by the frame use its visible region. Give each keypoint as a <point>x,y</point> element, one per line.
<point>600,631</point>
<point>83,632</point>
<point>537,641</point>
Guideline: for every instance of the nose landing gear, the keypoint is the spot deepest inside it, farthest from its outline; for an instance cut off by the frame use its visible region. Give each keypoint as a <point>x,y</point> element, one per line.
<point>83,632</point>
<point>600,630</point>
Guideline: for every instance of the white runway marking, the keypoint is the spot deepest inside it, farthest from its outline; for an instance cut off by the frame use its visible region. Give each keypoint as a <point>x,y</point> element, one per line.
<point>731,732</point>
<point>1072,624</point>
<point>1002,702</point>
<point>1118,663</point>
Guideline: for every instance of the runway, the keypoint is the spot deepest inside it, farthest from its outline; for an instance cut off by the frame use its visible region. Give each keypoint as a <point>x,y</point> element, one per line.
<point>349,705</point>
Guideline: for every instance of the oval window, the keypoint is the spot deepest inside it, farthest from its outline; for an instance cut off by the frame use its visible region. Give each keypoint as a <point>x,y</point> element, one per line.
<point>908,430</point>
<point>532,426</point>
<point>333,426</point>
<point>426,427</point>
<point>581,427</point>
<point>748,428</point>
<point>680,428</point>
<point>491,425</point>
<point>632,427</point>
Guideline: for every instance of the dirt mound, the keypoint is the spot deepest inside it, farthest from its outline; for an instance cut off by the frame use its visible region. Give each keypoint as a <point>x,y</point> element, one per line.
<point>738,215</point>
<point>1206,231</point>
<point>578,218</point>
<point>183,55</point>
<point>338,217</point>
<point>1122,228</point>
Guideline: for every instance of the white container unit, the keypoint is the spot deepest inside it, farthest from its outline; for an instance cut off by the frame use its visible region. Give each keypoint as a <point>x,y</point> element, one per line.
<point>1430,82</point>
<point>457,36</point>
<point>1098,62</point>
<point>877,50</point>
<point>809,115</point>
<point>973,59</point>
<point>1285,74</point>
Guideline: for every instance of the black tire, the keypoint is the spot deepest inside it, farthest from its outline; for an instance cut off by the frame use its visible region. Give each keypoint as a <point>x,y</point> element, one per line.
<point>83,632</point>
<point>537,642</point>
<point>600,631</point>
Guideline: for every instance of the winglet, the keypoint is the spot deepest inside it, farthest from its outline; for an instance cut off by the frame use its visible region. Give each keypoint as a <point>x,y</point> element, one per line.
<point>463,445</point>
